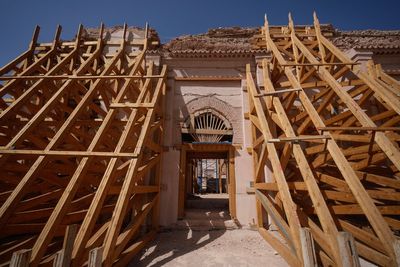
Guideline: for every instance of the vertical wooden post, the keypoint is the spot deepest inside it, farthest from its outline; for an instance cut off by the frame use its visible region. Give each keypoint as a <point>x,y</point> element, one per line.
<point>21,258</point>
<point>95,257</point>
<point>63,257</point>
<point>189,172</point>
<point>396,248</point>
<point>308,250</point>
<point>347,250</point>
<point>182,175</point>
<point>232,183</point>
<point>220,175</point>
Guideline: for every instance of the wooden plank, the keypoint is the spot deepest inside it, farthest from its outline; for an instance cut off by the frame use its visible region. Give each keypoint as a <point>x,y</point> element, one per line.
<point>276,217</point>
<point>207,131</point>
<point>130,230</point>
<point>307,242</point>
<point>298,138</point>
<point>320,64</point>
<point>372,129</point>
<point>182,183</point>
<point>279,247</point>
<point>278,92</point>
<point>232,182</point>
<point>207,78</point>
<point>68,153</point>
<point>396,248</point>
<point>21,258</point>
<point>133,249</point>
<point>77,77</point>
<point>131,105</point>
<point>63,257</point>
<point>348,249</point>
<point>95,256</point>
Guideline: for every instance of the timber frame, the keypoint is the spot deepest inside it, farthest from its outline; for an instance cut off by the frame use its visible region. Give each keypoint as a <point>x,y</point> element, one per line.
<point>329,133</point>
<point>80,134</point>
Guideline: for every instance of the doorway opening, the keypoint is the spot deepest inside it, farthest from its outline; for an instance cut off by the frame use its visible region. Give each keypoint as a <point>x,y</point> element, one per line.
<point>207,180</point>
<point>208,176</point>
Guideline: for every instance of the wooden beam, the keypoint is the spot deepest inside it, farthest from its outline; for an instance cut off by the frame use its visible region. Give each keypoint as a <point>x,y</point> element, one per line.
<point>278,92</point>
<point>372,129</point>
<point>131,105</point>
<point>320,64</point>
<point>63,257</point>
<point>68,153</point>
<point>208,78</point>
<point>207,131</point>
<point>21,258</point>
<point>307,242</point>
<point>77,77</point>
<point>298,138</point>
<point>95,256</point>
<point>348,249</point>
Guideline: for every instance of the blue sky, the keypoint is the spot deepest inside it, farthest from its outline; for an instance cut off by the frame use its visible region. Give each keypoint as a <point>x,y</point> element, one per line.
<point>172,18</point>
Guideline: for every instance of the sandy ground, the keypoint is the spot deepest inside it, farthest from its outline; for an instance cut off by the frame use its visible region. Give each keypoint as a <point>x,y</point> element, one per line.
<point>209,248</point>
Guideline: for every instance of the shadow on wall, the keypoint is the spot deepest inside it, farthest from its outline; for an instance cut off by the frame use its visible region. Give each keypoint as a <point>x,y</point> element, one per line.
<point>171,244</point>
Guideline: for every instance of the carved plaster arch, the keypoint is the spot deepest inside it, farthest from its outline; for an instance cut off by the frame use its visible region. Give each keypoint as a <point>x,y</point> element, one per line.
<point>220,108</point>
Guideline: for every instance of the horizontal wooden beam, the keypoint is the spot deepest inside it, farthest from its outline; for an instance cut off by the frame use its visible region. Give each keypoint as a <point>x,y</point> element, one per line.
<point>319,64</point>
<point>298,138</point>
<point>67,153</point>
<point>207,131</point>
<point>278,92</point>
<point>132,105</point>
<point>76,77</point>
<point>135,42</point>
<point>205,147</point>
<point>374,129</point>
<point>208,78</point>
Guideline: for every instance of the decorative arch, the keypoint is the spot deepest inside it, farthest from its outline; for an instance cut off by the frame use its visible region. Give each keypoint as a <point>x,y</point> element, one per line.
<point>218,109</point>
<point>207,126</point>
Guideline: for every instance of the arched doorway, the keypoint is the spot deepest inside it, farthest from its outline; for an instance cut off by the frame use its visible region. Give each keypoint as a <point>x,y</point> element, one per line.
<point>207,160</point>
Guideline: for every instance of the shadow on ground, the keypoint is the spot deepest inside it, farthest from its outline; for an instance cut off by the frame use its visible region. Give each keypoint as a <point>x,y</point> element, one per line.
<point>171,244</point>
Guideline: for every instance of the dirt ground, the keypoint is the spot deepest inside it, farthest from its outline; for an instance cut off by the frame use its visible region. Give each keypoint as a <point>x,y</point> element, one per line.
<point>209,248</point>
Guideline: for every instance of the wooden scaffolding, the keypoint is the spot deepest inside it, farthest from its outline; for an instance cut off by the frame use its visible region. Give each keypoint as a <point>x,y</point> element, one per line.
<point>80,132</point>
<point>326,151</point>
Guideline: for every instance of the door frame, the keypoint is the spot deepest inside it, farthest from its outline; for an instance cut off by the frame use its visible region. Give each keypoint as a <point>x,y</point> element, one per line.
<point>230,150</point>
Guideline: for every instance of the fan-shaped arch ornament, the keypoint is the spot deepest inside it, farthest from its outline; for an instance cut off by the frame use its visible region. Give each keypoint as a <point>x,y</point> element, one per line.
<point>207,126</point>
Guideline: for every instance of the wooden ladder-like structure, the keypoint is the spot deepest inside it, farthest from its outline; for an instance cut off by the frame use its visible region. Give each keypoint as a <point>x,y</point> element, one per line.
<point>326,152</point>
<point>81,130</point>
